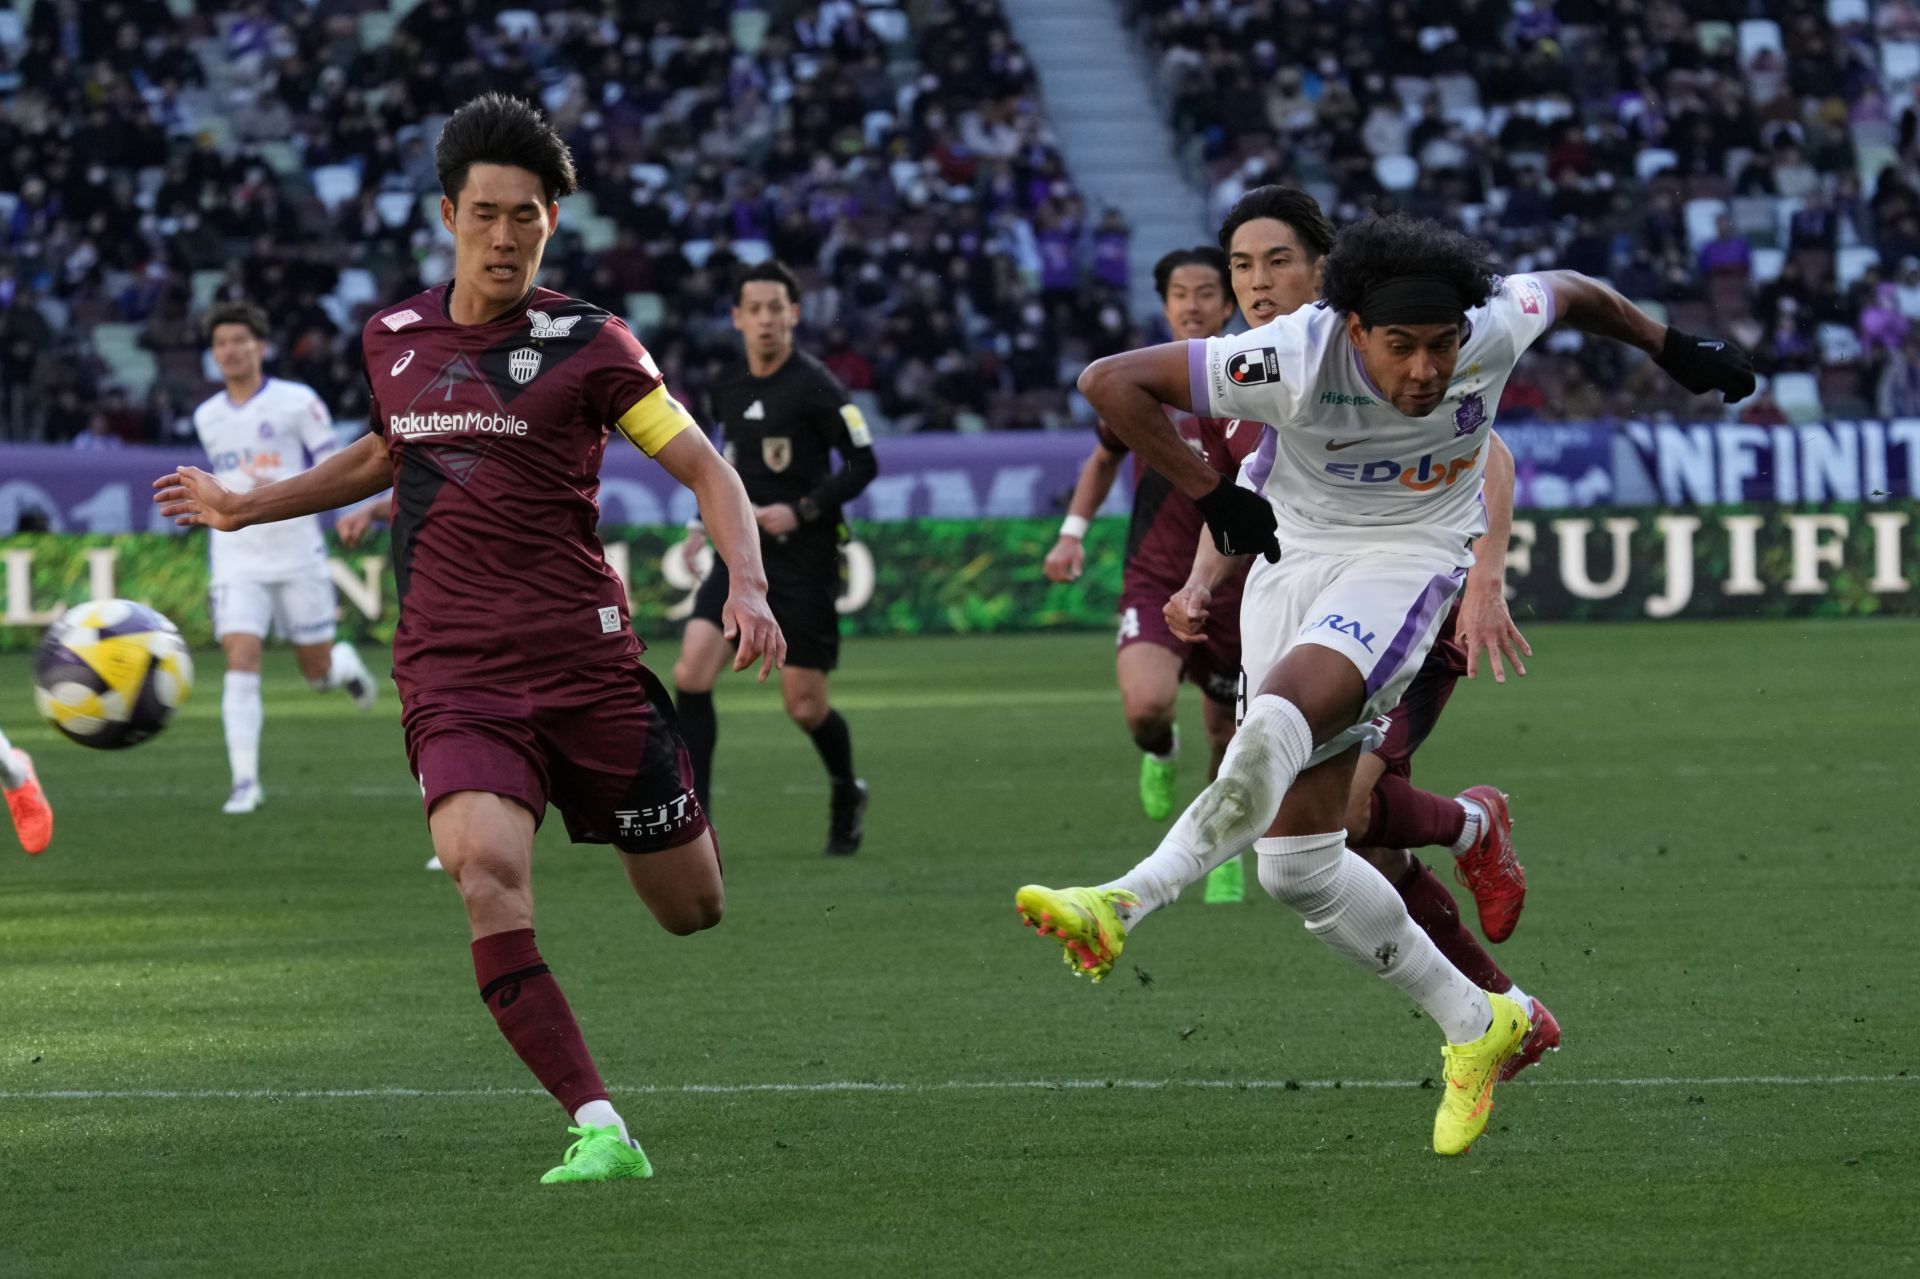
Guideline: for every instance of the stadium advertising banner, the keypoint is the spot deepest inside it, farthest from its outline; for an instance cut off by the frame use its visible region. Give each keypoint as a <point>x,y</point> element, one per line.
<point>1019,474</point>
<point>925,576</point>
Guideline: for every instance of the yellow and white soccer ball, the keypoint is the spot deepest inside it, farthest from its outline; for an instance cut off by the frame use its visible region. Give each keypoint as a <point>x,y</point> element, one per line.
<point>111,673</point>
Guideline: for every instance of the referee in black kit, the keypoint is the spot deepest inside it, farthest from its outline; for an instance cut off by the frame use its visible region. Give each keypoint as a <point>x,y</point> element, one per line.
<point>781,417</point>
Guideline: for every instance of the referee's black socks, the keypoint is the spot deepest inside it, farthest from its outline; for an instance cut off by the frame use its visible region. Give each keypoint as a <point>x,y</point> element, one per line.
<point>698,729</point>
<point>835,745</point>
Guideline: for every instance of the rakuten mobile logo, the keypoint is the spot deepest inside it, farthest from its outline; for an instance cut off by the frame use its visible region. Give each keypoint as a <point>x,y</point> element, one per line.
<point>410,425</point>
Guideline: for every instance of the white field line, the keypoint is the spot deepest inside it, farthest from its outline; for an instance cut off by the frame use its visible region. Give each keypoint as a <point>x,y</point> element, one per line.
<point>951,1085</point>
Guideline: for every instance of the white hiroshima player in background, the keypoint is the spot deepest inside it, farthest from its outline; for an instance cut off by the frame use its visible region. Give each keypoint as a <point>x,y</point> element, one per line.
<point>271,577</point>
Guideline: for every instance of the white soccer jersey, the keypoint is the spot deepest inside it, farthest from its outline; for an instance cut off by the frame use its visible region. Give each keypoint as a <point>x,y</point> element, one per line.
<point>268,438</point>
<point>1344,469</point>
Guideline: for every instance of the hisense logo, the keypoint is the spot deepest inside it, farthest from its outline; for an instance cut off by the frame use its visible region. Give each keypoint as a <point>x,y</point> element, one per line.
<point>1340,397</point>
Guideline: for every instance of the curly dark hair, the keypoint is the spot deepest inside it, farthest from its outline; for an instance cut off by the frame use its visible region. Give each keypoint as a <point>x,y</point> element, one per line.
<point>1378,249</point>
<point>1285,204</point>
<point>1200,255</point>
<point>497,129</point>
<point>237,313</point>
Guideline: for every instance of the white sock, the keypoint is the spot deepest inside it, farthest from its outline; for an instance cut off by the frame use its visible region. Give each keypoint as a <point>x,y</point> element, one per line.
<point>1469,829</point>
<point>10,777</point>
<point>241,712</point>
<point>1267,753</point>
<point>599,1114</point>
<point>1349,905</point>
<point>1519,997</point>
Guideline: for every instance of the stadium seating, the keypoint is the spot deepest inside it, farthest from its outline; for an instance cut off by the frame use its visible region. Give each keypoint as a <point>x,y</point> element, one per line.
<point>901,163</point>
<point>1650,123</point>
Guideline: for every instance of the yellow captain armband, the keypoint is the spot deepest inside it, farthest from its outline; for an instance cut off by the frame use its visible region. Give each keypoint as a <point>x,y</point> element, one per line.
<point>654,420</point>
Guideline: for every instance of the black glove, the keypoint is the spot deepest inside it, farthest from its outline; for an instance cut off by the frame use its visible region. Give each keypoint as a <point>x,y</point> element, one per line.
<point>1706,364</point>
<point>1240,520</point>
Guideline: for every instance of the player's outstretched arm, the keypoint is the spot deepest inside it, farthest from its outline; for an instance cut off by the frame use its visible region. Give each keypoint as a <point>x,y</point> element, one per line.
<point>1700,364</point>
<point>1485,620</point>
<point>1128,391</point>
<point>191,496</point>
<point>1097,474</point>
<point>747,619</point>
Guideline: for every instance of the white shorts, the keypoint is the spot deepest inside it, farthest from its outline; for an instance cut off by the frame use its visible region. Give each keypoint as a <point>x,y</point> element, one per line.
<point>298,609</point>
<point>1380,610</point>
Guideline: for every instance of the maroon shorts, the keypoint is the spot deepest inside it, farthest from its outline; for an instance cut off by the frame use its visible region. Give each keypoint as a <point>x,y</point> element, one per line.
<point>1409,723</point>
<point>600,743</point>
<point>1212,666</point>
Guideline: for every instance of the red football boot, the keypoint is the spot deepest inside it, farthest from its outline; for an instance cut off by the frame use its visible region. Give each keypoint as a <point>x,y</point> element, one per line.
<point>1490,871</point>
<point>27,803</point>
<point>1544,1038</point>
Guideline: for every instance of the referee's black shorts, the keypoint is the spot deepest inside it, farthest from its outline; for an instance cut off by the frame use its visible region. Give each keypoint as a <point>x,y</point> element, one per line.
<point>803,581</point>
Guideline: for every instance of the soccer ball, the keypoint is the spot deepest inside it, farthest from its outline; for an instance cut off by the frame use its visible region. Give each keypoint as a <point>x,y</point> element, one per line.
<point>111,673</point>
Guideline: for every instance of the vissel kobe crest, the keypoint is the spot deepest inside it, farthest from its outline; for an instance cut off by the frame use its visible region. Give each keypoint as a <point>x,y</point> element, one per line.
<point>523,364</point>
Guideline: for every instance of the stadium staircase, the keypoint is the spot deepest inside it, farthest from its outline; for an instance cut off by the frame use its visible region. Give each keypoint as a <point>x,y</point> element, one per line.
<point>1112,128</point>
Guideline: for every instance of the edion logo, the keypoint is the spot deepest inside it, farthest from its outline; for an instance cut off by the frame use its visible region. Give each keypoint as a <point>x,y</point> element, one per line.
<point>1422,477</point>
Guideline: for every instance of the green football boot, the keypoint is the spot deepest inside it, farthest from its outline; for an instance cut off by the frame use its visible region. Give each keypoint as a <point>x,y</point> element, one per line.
<point>599,1155</point>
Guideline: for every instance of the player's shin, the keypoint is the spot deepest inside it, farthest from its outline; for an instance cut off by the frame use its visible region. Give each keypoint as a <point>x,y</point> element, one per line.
<point>1433,910</point>
<point>1349,906</point>
<point>241,715</point>
<point>533,1014</point>
<point>1267,753</point>
<point>699,730</point>
<point>1404,816</point>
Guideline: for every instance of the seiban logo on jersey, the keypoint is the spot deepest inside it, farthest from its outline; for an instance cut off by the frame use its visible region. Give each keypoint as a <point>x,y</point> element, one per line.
<point>414,425</point>
<point>1422,477</point>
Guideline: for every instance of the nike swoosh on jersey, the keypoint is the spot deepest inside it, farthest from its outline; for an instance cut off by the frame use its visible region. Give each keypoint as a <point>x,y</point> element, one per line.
<point>1334,446</point>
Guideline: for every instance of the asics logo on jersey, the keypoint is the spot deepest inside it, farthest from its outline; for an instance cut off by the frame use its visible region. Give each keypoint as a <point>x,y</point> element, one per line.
<point>1422,477</point>
<point>400,365</point>
<point>545,326</point>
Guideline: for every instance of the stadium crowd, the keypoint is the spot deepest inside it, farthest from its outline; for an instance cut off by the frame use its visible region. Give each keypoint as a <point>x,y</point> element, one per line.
<point>1752,167</point>
<point>152,164</point>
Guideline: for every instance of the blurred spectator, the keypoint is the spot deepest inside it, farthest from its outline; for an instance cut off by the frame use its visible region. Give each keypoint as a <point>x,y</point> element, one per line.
<point>1588,134</point>
<point>1898,393</point>
<point>155,158</point>
<point>99,434</point>
<point>1726,252</point>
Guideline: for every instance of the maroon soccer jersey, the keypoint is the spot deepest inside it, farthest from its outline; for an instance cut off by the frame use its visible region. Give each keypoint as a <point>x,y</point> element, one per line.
<point>496,432</point>
<point>1166,524</point>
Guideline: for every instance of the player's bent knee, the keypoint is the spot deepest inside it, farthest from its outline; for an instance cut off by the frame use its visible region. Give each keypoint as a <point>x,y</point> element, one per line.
<point>692,914</point>
<point>1302,870</point>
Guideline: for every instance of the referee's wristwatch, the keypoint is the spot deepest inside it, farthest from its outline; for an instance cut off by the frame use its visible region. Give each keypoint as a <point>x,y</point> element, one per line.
<point>808,510</point>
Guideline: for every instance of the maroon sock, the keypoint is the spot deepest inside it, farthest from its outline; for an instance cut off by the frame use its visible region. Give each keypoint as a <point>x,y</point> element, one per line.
<point>1432,907</point>
<point>1404,816</point>
<point>532,1013</point>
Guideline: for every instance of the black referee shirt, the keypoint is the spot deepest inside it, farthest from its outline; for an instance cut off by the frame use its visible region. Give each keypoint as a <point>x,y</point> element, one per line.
<point>780,432</point>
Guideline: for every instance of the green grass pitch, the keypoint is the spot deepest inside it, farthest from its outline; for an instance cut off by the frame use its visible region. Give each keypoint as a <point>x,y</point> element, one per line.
<point>253,1045</point>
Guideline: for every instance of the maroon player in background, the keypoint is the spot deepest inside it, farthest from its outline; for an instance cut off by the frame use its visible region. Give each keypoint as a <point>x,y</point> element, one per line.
<point>1275,237</point>
<point>519,675</point>
<point>1151,662</point>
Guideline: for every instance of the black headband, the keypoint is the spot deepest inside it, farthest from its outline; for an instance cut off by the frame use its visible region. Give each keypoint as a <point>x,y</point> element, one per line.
<point>1413,299</point>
